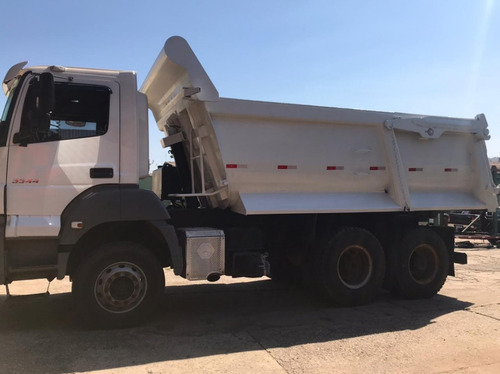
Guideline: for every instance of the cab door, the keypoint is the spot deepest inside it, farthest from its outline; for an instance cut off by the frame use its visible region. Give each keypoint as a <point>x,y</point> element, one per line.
<point>46,170</point>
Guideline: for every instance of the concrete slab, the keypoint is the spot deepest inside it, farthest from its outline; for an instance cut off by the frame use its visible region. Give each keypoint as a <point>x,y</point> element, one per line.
<point>244,325</point>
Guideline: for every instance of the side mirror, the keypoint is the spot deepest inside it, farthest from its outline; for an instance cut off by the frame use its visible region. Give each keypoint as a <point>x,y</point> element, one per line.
<point>20,139</point>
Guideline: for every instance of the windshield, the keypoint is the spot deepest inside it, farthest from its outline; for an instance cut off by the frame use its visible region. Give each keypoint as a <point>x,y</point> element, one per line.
<point>4,125</point>
<point>9,100</point>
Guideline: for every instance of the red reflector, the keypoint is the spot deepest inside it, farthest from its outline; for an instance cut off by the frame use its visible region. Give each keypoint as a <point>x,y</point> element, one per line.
<point>377,167</point>
<point>236,166</point>
<point>334,168</point>
<point>415,169</point>
<point>287,167</point>
<point>449,170</point>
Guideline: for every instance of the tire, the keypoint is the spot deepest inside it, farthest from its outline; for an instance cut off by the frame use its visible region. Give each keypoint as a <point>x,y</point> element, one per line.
<point>422,266</point>
<point>117,285</point>
<point>352,267</point>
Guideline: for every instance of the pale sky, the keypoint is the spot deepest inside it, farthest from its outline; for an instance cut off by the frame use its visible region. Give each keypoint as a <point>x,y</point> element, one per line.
<point>438,57</point>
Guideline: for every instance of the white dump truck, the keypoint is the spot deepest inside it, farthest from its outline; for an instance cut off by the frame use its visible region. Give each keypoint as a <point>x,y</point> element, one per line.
<point>346,201</point>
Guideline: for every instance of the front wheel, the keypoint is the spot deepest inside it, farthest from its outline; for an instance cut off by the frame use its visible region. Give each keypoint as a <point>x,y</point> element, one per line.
<point>352,267</point>
<point>423,265</point>
<point>117,284</point>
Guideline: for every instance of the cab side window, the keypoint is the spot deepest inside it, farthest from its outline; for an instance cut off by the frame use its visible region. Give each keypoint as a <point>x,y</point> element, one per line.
<point>80,111</point>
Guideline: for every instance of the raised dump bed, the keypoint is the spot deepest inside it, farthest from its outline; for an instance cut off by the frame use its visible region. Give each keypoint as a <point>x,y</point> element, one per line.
<point>272,158</point>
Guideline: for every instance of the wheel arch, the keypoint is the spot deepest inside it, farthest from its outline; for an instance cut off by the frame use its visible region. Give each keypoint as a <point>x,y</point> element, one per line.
<point>112,212</point>
<point>142,232</point>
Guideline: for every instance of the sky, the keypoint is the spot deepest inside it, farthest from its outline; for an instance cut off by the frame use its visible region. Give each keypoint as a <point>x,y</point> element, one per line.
<point>424,57</point>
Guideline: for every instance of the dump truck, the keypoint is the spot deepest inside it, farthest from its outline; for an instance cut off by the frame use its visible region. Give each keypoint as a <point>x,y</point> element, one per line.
<point>344,201</point>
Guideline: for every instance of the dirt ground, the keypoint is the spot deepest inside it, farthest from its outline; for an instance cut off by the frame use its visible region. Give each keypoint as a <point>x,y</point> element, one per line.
<point>258,326</point>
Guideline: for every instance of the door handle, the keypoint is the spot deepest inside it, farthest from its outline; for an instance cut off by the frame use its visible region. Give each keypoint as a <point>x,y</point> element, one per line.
<point>101,173</point>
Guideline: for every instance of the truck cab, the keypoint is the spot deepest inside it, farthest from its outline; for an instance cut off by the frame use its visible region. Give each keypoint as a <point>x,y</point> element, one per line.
<point>73,144</point>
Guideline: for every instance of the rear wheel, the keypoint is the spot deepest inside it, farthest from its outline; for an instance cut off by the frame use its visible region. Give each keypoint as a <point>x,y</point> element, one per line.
<point>352,267</point>
<point>423,265</point>
<point>118,284</point>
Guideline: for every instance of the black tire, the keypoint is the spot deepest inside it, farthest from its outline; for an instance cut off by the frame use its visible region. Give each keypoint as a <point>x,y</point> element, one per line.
<point>352,267</point>
<point>117,285</point>
<point>422,266</point>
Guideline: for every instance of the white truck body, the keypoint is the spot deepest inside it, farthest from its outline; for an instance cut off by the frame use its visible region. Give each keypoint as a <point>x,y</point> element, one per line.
<point>343,200</point>
<point>273,158</point>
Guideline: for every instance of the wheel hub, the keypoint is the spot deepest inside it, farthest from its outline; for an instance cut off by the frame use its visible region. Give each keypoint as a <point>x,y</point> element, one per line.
<point>423,264</point>
<point>354,267</point>
<point>120,287</point>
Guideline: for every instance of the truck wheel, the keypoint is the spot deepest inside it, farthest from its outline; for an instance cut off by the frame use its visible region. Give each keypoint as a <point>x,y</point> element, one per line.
<point>423,265</point>
<point>117,285</point>
<point>352,267</point>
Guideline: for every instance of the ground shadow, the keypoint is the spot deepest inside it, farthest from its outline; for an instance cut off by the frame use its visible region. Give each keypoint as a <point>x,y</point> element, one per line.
<point>43,334</point>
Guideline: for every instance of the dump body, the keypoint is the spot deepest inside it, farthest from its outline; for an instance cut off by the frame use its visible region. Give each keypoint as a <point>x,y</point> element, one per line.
<point>272,158</point>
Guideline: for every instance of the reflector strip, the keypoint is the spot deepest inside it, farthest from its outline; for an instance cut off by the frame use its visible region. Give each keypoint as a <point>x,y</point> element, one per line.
<point>287,167</point>
<point>416,169</point>
<point>377,167</point>
<point>236,166</point>
<point>450,170</point>
<point>334,168</point>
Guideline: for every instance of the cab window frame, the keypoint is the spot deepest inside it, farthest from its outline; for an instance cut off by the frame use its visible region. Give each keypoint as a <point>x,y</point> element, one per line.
<point>81,110</point>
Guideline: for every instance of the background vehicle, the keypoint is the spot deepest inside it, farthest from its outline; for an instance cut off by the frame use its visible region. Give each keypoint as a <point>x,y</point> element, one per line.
<point>341,199</point>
